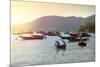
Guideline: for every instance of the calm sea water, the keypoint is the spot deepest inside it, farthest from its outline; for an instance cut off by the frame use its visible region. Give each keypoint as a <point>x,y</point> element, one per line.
<point>33,52</point>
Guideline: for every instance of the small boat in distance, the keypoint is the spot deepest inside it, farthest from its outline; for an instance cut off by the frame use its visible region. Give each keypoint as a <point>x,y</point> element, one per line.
<point>74,37</point>
<point>30,37</point>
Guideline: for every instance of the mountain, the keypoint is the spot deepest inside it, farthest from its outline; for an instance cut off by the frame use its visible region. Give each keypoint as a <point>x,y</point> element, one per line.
<point>54,23</point>
<point>57,23</point>
<point>89,24</point>
<point>90,18</point>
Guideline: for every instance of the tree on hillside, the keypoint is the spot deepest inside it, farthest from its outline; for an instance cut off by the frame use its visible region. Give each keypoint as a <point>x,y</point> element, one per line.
<point>88,27</point>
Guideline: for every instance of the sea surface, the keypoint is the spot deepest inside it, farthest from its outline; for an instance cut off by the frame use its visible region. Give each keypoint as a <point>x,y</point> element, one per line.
<point>34,52</point>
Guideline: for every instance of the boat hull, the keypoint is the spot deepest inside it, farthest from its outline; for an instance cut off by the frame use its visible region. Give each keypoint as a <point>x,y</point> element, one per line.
<point>30,38</point>
<point>82,44</point>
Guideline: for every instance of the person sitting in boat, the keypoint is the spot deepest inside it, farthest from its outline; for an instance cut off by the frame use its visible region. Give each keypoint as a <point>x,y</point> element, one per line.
<point>60,44</point>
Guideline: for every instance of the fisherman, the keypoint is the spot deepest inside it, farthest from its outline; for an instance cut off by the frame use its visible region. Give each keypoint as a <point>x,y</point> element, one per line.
<point>60,43</point>
<point>60,40</point>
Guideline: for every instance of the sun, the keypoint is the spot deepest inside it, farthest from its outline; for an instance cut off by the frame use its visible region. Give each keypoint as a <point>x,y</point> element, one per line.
<point>15,20</point>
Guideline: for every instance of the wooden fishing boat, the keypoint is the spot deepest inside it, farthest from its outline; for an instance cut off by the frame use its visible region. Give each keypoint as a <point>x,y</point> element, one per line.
<point>30,37</point>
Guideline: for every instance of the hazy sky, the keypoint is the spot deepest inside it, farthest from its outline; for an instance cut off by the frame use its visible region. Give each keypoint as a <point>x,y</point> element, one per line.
<point>22,12</point>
